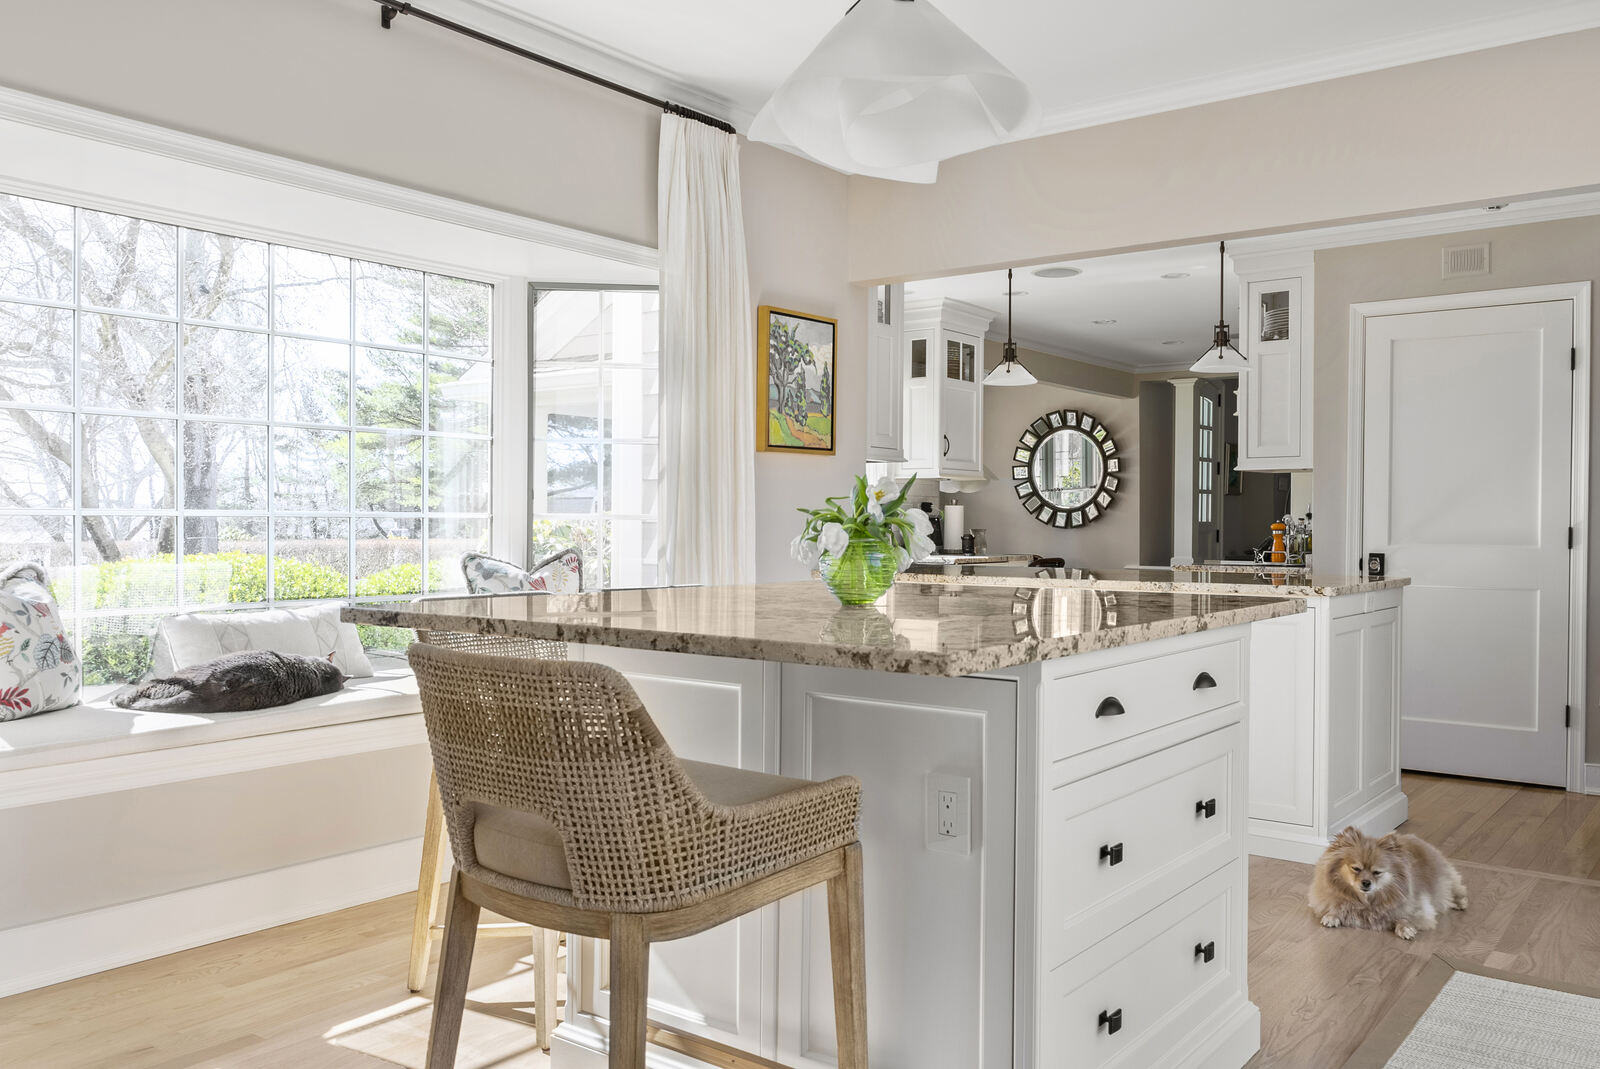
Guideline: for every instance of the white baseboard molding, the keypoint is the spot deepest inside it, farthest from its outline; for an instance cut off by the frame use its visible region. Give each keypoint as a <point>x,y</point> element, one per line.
<point>37,955</point>
<point>1301,842</point>
<point>1591,779</point>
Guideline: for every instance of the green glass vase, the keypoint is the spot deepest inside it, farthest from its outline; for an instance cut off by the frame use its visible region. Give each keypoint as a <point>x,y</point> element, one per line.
<point>862,572</point>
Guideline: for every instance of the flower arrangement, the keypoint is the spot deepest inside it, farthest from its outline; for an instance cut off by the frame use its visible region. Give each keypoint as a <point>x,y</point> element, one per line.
<point>858,545</point>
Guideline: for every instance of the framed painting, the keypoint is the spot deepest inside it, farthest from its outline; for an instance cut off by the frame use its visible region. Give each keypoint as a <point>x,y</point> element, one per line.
<point>795,409</point>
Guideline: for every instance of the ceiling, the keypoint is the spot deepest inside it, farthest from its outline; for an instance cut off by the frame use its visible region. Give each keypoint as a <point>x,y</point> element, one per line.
<point>1087,62</point>
<point>1160,323</point>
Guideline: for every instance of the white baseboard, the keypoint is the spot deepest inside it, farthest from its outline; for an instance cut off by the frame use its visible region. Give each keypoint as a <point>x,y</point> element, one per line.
<point>1301,842</point>
<point>1591,779</point>
<point>37,955</point>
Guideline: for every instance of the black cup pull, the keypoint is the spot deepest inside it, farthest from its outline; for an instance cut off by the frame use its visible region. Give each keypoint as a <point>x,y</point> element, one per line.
<point>946,444</point>
<point>1204,681</point>
<point>1109,707</point>
<point>1111,1022</point>
<point>1207,808</point>
<point>1205,951</point>
<point>1111,852</point>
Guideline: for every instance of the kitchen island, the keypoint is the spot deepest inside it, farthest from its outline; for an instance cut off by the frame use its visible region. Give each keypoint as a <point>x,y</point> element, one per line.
<point>1053,816</point>
<point>1325,727</point>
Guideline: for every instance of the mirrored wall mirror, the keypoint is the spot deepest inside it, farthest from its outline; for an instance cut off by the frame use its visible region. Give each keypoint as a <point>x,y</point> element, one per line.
<point>1065,469</point>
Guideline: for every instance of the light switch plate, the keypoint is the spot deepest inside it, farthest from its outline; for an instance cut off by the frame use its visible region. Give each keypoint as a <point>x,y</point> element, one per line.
<point>948,801</point>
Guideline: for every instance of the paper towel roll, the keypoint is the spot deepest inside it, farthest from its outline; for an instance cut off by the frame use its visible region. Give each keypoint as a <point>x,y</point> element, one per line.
<point>955,525</point>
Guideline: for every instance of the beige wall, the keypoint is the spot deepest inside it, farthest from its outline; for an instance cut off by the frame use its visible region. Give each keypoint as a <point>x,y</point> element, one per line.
<point>1467,129</point>
<point>1109,542</point>
<point>320,81</point>
<point>795,234</point>
<point>1533,254</point>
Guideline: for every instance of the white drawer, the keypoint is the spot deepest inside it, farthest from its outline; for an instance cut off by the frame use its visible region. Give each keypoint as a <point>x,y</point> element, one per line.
<point>1151,980</point>
<point>1082,712</point>
<point>1118,843</point>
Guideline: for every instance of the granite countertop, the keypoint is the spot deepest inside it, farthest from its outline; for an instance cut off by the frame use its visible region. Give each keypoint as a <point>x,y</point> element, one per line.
<point>1266,582</point>
<point>938,629</point>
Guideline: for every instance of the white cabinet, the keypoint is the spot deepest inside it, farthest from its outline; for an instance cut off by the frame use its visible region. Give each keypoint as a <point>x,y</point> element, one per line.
<point>943,376</point>
<point>886,307</point>
<point>1276,394</point>
<point>1325,731</point>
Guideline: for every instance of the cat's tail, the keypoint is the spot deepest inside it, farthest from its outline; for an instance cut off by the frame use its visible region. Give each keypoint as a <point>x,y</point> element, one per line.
<point>157,696</point>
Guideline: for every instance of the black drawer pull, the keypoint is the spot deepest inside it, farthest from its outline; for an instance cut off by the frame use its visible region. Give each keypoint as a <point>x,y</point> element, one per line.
<point>1204,681</point>
<point>1206,951</point>
<point>1207,808</point>
<point>1109,707</point>
<point>1112,853</point>
<point>1111,1022</point>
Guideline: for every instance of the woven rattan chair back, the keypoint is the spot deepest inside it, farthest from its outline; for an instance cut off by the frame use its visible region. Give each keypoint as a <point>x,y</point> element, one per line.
<point>495,645</point>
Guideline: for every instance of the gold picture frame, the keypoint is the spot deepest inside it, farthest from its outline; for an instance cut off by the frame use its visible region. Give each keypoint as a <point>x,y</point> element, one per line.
<point>795,387</point>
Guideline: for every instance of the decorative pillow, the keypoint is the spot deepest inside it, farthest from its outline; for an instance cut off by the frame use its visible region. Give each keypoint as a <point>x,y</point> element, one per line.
<point>560,573</point>
<point>188,639</point>
<point>39,669</point>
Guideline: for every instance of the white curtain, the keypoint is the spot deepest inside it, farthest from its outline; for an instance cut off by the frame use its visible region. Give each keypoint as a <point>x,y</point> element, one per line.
<point>707,360</point>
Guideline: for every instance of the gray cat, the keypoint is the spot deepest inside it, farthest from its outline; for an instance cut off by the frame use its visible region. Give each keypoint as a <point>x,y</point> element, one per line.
<point>235,683</point>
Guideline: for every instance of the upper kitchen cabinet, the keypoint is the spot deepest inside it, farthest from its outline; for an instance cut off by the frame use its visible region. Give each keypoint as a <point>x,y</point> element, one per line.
<point>943,348</point>
<point>1275,395</point>
<point>886,308</point>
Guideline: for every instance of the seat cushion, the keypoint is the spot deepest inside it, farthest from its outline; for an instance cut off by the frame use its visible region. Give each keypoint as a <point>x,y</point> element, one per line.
<point>527,847</point>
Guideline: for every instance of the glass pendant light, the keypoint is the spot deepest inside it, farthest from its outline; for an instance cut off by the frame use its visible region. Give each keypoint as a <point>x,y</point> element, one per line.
<point>1223,356</point>
<point>1009,371</point>
<point>892,89</point>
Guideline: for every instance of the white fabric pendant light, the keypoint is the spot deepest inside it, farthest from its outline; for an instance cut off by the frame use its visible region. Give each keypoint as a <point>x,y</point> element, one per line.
<point>893,89</point>
<point>1009,371</point>
<point>1223,357</point>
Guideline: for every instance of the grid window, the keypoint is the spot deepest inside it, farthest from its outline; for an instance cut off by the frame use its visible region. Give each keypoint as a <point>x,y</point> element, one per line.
<point>596,431</point>
<point>192,420</point>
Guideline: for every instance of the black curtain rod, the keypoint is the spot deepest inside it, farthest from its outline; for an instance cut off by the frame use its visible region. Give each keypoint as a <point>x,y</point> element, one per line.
<point>390,10</point>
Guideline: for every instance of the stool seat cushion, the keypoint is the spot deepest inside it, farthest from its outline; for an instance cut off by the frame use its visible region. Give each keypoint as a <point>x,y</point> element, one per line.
<point>527,846</point>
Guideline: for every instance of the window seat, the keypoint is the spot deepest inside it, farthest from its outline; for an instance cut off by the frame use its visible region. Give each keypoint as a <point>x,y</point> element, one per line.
<point>95,728</point>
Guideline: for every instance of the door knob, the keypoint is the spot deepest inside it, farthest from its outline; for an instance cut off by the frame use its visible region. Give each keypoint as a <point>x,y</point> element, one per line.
<point>1207,808</point>
<point>1111,1022</point>
<point>1205,951</point>
<point>1109,707</point>
<point>1111,853</point>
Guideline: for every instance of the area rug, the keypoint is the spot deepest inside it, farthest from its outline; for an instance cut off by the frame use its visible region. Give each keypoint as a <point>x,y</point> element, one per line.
<point>1457,1015</point>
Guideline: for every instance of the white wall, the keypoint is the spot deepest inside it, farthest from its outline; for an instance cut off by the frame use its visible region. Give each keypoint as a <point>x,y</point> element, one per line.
<point>1533,254</point>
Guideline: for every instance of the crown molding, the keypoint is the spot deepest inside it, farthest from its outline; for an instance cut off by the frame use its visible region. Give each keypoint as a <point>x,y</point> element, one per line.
<point>1299,70</point>
<point>50,114</point>
<point>507,22</point>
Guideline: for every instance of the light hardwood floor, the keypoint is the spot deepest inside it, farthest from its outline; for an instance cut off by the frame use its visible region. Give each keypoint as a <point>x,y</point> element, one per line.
<point>331,991</point>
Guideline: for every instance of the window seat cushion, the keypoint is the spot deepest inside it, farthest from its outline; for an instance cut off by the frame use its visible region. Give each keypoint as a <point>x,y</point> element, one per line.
<point>95,728</point>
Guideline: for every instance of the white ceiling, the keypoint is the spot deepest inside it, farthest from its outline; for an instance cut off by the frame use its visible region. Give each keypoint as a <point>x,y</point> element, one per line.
<point>1087,62</point>
<point>1057,315</point>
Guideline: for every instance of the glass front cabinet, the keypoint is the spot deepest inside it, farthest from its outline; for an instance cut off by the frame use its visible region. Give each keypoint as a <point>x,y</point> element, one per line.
<point>1275,396</point>
<point>943,367</point>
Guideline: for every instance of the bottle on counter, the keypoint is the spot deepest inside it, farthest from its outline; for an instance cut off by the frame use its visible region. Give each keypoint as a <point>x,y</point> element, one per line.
<point>1280,551</point>
<point>969,544</point>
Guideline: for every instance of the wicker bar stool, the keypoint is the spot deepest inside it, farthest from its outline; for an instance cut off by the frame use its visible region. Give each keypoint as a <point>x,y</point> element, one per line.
<point>568,810</point>
<point>424,927</point>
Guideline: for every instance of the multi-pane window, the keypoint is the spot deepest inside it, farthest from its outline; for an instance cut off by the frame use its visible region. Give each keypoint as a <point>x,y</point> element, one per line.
<point>595,430</point>
<point>191,420</point>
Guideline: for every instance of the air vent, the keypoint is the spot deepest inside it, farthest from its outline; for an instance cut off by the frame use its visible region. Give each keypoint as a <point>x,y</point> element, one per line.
<point>1463,261</point>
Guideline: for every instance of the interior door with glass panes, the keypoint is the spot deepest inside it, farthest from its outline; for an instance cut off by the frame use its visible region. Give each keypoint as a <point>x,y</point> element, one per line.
<point>1208,470</point>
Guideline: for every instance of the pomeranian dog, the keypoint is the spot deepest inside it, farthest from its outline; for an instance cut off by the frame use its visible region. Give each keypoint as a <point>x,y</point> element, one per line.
<point>1397,883</point>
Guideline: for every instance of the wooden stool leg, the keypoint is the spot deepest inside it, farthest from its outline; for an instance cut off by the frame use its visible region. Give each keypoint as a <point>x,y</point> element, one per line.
<point>630,984</point>
<point>427,889</point>
<point>847,943</point>
<point>450,992</point>
<point>546,945</point>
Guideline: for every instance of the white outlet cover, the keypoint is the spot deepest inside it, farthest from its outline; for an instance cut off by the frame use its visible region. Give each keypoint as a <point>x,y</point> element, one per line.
<point>960,786</point>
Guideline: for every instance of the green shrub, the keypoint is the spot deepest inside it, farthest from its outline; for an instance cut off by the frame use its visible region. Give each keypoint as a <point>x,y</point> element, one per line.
<point>115,658</point>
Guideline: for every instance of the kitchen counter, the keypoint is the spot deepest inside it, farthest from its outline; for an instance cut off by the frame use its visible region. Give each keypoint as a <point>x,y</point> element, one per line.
<point>1200,579</point>
<point>943,627</point>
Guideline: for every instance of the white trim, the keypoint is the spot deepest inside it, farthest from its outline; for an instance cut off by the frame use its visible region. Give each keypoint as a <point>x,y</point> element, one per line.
<point>100,126</point>
<point>1578,570</point>
<point>1591,779</point>
<point>37,955</point>
<point>125,772</point>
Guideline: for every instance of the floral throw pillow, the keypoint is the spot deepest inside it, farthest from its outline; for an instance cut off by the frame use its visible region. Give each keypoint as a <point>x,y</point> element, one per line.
<point>39,669</point>
<point>560,573</point>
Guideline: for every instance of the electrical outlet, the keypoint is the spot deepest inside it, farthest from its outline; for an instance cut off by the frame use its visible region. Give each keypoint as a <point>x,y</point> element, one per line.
<point>948,803</point>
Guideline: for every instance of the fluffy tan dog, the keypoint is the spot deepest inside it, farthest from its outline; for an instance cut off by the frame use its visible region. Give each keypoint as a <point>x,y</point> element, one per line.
<point>1397,882</point>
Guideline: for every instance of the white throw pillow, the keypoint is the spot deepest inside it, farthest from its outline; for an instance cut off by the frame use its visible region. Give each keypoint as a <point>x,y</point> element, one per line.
<point>195,638</point>
<point>39,669</point>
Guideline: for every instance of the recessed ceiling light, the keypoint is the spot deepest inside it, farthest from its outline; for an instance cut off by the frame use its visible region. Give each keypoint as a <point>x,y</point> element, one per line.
<point>1056,272</point>
<point>1176,274</point>
<point>1493,207</point>
<point>1173,341</point>
<point>1102,322</point>
<point>1017,293</point>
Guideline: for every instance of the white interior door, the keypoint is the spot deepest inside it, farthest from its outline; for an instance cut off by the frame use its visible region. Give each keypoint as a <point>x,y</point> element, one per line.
<point>1468,492</point>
